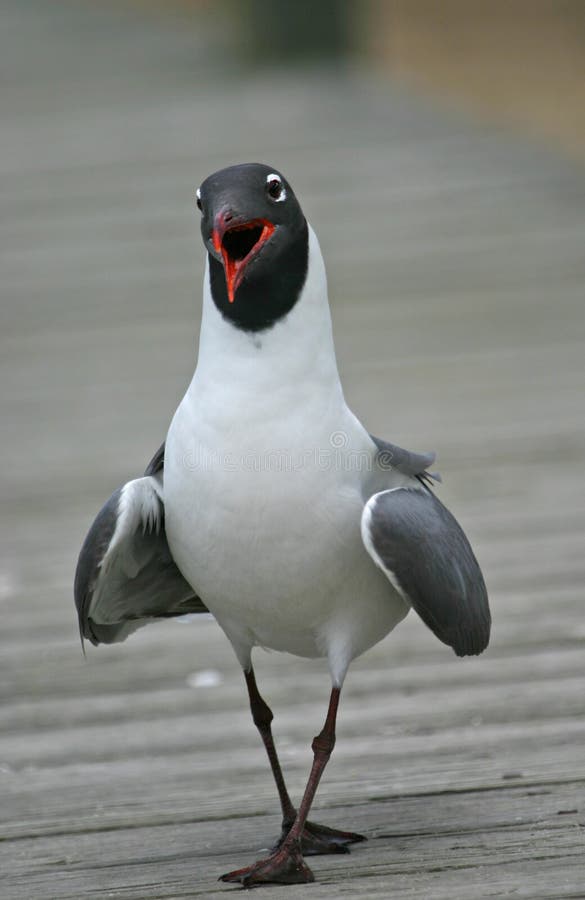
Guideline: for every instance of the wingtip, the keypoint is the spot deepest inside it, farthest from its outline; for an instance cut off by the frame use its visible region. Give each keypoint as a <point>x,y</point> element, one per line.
<point>431,456</point>
<point>471,643</point>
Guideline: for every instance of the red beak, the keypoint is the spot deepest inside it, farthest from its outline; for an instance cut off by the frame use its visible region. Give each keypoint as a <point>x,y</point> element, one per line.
<point>238,242</point>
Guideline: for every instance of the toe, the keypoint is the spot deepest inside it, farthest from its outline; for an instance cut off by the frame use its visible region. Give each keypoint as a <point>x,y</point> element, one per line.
<point>319,839</point>
<point>237,876</point>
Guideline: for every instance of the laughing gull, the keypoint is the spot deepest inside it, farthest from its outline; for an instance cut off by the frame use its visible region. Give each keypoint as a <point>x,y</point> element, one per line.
<point>270,505</point>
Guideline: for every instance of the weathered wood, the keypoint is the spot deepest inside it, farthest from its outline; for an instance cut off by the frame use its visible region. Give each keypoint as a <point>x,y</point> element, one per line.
<point>456,266</point>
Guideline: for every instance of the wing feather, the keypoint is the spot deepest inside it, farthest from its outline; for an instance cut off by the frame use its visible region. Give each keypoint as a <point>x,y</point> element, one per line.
<point>126,575</point>
<point>407,462</point>
<point>426,556</point>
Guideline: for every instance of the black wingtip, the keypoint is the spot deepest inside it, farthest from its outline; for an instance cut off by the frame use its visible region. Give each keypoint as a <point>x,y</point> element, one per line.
<point>471,642</point>
<point>157,462</point>
<point>461,652</point>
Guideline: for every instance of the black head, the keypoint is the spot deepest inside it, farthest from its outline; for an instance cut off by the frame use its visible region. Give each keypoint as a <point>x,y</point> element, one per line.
<point>258,244</point>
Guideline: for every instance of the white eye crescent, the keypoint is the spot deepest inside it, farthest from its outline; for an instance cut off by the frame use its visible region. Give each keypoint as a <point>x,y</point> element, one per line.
<point>198,197</point>
<point>275,187</point>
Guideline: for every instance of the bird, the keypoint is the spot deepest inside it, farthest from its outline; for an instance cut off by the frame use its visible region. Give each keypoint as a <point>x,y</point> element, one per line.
<point>270,505</point>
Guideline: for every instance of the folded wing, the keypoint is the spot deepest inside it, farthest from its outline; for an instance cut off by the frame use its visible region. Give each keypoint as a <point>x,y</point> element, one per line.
<point>126,576</point>
<point>423,551</point>
<point>391,456</point>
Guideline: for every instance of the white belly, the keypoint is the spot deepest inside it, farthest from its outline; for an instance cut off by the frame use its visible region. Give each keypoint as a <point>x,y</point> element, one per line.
<point>272,544</point>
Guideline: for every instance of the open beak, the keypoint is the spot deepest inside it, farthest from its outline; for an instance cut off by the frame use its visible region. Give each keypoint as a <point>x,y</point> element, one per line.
<point>238,244</point>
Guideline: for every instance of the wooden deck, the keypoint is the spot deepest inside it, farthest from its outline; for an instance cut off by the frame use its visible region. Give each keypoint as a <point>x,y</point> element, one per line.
<point>457,270</point>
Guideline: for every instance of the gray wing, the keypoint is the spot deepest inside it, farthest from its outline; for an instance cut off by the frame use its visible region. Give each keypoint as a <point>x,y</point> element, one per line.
<point>391,456</point>
<point>423,551</point>
<point>157,462</point>
<point>126,576</point>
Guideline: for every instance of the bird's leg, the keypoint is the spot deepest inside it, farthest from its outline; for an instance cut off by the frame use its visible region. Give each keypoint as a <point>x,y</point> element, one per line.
<point>315,839</point>
<point>286,865</point>
<point>263,716</point>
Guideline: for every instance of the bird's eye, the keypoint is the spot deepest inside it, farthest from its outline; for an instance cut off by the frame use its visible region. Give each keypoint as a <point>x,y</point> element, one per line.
<point>275,187</point>
<point>198,198</point>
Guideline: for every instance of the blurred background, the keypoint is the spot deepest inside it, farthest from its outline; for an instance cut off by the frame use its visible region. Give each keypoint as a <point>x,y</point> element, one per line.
<point>437,149</point>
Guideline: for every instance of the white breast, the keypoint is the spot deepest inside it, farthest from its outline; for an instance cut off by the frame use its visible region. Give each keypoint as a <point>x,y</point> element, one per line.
<point>265,469</point>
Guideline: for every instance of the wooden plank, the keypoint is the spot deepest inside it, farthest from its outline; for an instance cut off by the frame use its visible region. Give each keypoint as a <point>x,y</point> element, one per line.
<point>456,270</point>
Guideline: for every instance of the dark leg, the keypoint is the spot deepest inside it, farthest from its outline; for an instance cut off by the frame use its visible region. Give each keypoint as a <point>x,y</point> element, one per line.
<point>315,839</point>
<point>262,715</point>
<point>286,864</point>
